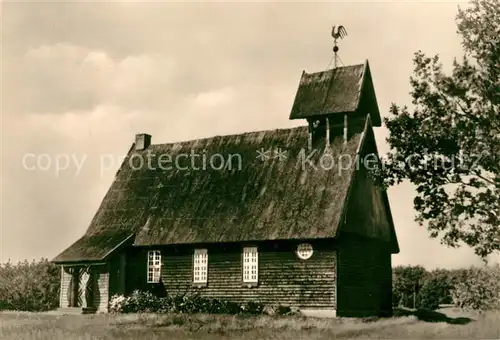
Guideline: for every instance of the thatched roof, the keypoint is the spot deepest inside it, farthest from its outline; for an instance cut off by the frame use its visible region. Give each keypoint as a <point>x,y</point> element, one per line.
<point>264,200</point>
<point>344,89</point>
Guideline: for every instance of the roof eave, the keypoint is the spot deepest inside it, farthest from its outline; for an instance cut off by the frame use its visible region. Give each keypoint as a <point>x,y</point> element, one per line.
<point>73,262</point>
<point>322,114</point>
<point>245,241</point>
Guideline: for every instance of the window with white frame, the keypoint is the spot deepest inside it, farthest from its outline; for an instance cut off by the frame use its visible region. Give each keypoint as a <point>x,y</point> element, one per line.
<point>154,266</point>
<point>250,264</point>
<point>200,266</point>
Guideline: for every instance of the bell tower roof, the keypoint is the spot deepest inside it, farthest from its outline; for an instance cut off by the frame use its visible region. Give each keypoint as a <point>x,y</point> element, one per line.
<point>340,90</point>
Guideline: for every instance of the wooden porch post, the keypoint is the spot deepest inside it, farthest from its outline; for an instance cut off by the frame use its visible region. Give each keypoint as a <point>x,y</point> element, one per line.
<point>82,291</point>
<point>73,287</point>
<point>61,288</point>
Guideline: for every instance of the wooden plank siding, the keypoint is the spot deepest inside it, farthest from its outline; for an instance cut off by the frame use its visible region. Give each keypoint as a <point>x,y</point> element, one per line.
<point>364,278</point>
<point>364,259</point>
<point>284,279</point>
<point>101,288</point>
<point>64,291</point>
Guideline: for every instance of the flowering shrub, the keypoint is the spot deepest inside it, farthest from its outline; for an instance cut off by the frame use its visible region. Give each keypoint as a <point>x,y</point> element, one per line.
<point>117,303</point>
<point>145,302</point>
<point>138,302</point>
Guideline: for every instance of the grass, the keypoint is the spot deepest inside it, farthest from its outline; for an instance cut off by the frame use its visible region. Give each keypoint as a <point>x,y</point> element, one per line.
<point>444,324</point>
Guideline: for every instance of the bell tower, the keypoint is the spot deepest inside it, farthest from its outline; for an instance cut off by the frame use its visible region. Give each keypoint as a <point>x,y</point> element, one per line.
<point>336,101</point>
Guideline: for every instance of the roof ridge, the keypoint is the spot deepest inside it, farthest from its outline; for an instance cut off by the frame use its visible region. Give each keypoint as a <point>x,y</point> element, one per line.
<point>232,135</point>
<point>336,68</point>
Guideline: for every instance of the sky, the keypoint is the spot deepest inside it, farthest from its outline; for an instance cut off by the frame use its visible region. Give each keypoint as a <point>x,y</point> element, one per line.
<point>79,80</point>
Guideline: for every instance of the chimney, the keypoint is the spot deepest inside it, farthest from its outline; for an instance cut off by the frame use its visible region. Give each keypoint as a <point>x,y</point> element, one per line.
<point>142,141</point>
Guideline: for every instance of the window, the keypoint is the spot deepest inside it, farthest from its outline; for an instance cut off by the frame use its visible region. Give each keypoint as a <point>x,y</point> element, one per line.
<point>154,266</point>
<point>250,264</point>
<point>304,251</point>
<point>200,266</point>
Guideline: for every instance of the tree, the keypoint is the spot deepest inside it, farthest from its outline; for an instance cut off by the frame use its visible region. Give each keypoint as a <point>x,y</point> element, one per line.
<point>29,286</point>
<point>480,290</point>
<point>436,289</point>
<point>407,281</point>
<point>448,145</point>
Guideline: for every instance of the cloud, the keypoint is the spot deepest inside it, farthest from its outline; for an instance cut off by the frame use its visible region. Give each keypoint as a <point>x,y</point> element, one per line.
<point>64,76</point>
<point>214,98</point>
<point>60,51</point>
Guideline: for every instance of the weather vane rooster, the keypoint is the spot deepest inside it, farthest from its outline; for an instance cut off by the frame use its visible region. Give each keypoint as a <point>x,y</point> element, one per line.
<point>337,32</point>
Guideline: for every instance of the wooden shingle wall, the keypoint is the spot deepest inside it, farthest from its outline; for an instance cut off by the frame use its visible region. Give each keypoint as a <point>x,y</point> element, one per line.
<point>101,288</point>
<point>284,279</point>
<point>64,291</point>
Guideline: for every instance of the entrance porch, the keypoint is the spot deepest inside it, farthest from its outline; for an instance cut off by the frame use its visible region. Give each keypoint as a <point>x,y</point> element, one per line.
<point>84,288</point>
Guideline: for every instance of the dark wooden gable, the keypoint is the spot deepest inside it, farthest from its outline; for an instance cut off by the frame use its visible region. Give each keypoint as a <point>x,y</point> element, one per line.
<point>368,212</point>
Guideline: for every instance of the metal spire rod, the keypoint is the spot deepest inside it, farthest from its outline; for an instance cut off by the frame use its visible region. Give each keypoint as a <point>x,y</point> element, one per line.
<point>341,33</point>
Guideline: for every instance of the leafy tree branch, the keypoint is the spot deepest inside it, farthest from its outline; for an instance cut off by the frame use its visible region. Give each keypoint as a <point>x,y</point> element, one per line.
<point>448,145</point>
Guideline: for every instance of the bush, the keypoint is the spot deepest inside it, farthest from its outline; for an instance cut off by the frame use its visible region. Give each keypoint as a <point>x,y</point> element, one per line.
<point>252,307</point>
<point>479,289</point>
<point>146,302</point>
<point>29,286</point>
<point>434,291</point>
<point>428,288</point>
<point>117,304</point>
<point>407,281</point>
<point>284,310</point>
<point>217,306</point>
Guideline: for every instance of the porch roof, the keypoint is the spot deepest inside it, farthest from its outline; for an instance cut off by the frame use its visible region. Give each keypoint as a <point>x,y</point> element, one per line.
<point>94,247</point>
